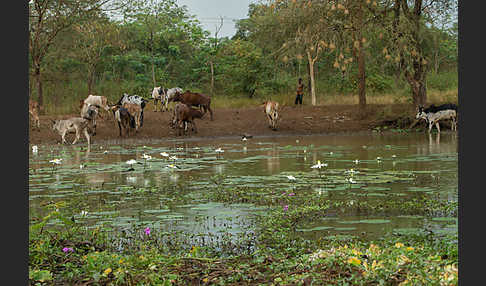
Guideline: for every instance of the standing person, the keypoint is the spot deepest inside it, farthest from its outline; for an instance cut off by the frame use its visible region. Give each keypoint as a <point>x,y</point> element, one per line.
<point>300,92</point>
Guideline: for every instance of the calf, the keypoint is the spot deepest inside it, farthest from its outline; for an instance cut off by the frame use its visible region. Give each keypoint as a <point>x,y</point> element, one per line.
<point>194,99</point>
<point>185,114</point>
<point>123,118</point>
<point>34,112</point>
<point>134,99</point>
<point>136,111</point>
<point>72,125</point>
<point>434,114</point>
<point>270,108</point>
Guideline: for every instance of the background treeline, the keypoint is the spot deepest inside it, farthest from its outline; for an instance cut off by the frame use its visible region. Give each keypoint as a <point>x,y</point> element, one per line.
<point>340,48</point>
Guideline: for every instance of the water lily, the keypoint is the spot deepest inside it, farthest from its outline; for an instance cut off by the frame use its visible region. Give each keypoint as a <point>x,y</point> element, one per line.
<point>81,166</point>
<point>378,158</point>
<point>106,152</point>
<point>34,148</point>
<point>172,166</point>
<point>56,161</point>
<point>319,165</point>
<point>356,161</point>
<point>84,213</point>
<point>292,178</point>
<point>394,156</point>
<point>291,194</point>
<point>146,157</point>
<point>219,150</point>
<point>351,181</point>
<point>164,154</point>
<point>173,158</point>
<point>131,162</point>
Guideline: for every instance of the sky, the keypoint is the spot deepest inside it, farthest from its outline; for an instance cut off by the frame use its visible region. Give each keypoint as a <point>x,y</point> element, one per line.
<point>208,12</point>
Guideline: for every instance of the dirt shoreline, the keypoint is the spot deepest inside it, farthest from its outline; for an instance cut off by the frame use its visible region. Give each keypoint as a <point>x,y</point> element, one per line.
<point>232,122</point>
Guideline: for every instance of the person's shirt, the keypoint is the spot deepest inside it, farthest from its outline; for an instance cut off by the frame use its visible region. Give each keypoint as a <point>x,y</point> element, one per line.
<point>300,88</point>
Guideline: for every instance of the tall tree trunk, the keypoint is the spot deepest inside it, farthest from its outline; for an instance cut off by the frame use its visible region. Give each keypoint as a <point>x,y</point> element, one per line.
<point>362,78</point>
<point>38,81</point>
<point>212,77</point>
<point>90,81</point>
<point>312,79</point>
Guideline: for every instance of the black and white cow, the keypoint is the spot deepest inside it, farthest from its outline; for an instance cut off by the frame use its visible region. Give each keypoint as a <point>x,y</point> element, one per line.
<point>164,94</point>
<point>135,99</point>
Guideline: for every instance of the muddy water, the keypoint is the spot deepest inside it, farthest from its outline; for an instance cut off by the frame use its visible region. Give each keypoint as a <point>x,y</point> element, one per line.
<point>167,193</point>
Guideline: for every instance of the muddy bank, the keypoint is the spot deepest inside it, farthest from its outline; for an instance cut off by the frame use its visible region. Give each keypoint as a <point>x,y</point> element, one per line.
<point>301,120</point>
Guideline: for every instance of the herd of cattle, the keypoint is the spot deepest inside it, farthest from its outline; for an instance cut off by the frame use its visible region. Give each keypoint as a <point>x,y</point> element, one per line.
<point>128,112</point>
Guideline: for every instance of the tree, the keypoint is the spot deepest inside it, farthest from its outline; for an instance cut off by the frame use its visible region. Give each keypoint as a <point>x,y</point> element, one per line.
<point>47,18</point>
<point>93,39</point>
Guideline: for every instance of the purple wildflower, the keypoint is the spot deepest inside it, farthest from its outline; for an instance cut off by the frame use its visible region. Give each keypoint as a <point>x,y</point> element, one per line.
<point>67,249</point>
<point>285,208</point>
<point>147,231</point>
<point>291,194</point>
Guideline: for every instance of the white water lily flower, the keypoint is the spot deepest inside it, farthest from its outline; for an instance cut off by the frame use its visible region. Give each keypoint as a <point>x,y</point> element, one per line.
<point>180,148</point>
<point>34,148</point>
<point>378,158</point>
<point>56,161</point>
<point>351,171</point>
<point>146,157</point>
<point>319,165</point>
<point>131,162</point>
<point>394,156</point>
<point>84,213</point>
<point>106,152</point>
<point>173,158</point>
<point>164,154</point>
<point>172,166</point>
<point>81,166</point>
<point>292,178</point>
<point>330,153</point>
<point>351,181</point>
<point>356,161</point>
<point>219,150</point>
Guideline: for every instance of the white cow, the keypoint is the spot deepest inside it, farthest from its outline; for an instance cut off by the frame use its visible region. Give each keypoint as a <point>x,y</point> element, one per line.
<point>72,125</point>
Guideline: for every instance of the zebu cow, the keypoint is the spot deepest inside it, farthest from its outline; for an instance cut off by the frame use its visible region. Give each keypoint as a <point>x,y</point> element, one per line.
<point>270,108</point>
<point>135,111</point>
<point>98,100</point>
<point>123,118</point>
<point>434,114</point>
<point>72,125</point>
<point>135,99</point>
<point>185,114</point>
<point>90,112</point>
<point>194,99</point>
<point>164,94</point>
<point>34,112</point>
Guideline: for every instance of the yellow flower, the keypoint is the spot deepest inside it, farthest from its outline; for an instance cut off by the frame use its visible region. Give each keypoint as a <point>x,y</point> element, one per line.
<point>205,280</point>
<point>356,252</point>
<point>141,257</point>
<point>354,261</point>
<point>410,248</point>
<point>399,244</point>
<point>121,261</point>
<point>107,271</point>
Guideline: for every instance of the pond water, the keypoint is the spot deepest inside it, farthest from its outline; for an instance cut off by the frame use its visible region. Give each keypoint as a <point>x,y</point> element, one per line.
<point>173,192</point>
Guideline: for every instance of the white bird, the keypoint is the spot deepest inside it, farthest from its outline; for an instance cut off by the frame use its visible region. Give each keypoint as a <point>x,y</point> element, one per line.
<point>292,178</point>
<point>164,154</point>
<point>219,150</point>
<point>319,165</point>
<point>34,148</point>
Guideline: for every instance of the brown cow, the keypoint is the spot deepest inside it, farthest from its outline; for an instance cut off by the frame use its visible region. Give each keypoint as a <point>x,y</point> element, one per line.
<point>185,114</point>
<point>135,110</point>
<point>194,99</point>
<point>123,118</point>
<point>34,112</point>
<point>270,108</point>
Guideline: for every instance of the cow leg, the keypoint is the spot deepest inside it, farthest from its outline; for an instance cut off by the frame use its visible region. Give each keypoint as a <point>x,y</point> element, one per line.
<point>210,112</point>
<point>193,122</point>
<point>119,129</point>
<point>77,136</point>
<point>437,126</point>
<point>63,137</point>
<point>86,134</point>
